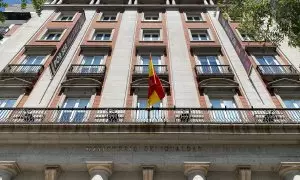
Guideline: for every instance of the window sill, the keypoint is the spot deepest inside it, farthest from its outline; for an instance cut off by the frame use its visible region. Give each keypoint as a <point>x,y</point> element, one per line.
<point>159,41</point>
<point>197,41</point>
<point>107,21</point>
<point>145,21</point>
<point>61,21</point>
<point>99,41</point>
<point>195,21</point>
<point>47,40</point>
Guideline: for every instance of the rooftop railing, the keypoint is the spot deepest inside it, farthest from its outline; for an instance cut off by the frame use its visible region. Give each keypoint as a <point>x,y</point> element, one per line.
<point>148,115</point>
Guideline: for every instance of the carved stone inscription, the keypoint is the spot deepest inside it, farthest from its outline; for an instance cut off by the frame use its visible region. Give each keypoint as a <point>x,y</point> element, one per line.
<point>144,148</point>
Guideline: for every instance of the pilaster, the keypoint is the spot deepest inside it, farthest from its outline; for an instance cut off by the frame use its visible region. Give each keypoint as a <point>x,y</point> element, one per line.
<point>148,172</point>
<point>52,172</point>
<point>244,172</point>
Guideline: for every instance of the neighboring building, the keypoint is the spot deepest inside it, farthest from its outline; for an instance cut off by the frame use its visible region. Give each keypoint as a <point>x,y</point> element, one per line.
<point>15,17</point>
<point>73,96</point>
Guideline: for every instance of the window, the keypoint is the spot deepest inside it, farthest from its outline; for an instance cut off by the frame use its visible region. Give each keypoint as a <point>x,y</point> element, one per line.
<point>292,104</point>
<point>108,17</point>
<point>194,17</point>
<point>224,115</point>
<point>102,36</point>
<point>31,64</point>
<point>6,103</point>
<point>52,35</point>
<point>90,64</point>
<point>65,17</point>
<point>151,17</point>
<point>209,64</point>
<point>269,65</point>
<point>200,35</point>
<point>144,115</point>
<point>151,35</point>
<point>144,62</point>
<point>74,115</point>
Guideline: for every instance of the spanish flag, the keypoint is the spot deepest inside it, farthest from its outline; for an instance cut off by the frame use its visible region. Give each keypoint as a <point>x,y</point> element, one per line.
<point>156,91</point>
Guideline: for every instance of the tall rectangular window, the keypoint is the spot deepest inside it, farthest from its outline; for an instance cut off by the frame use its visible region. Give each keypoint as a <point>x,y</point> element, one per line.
<point>200,35</point>
<point>52,35</point>
<point>102,36</point>
<point>71,115</point>
<point>194,17</point>
<point>220,115</point>
<point>151,35</point>
<point>151,16</point>
<point>31,64</point>
<point>148,116</point>
<point>108,17</point>
<point>269,65</point>
<point>91,64</point>
<point>209,64</point>
<point>144,61</point>
<point>6,103</point>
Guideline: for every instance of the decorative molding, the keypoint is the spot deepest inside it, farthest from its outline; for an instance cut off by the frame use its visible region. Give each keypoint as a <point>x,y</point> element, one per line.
<point>11,167</point>
<point>191,167</point>
<point>94,166</point>
<point>287,169</point>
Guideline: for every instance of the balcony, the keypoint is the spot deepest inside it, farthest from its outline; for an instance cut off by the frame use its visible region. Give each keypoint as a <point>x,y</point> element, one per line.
<point>146,115</point>
<point>142,71</point>
<point>28,72</point>
<point>87,71</point>
<point>213,71</point>
<point>274,72</point>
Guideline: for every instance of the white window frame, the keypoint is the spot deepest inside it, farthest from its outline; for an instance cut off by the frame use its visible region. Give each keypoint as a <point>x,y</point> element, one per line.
<point>159,33</point>
<point>48,31</point>
<point>201,31</point>
<point>109,14</point>
<point>161,62</point>
<point>152,14</point>
<point>98,31</point>
<point>18,100</point>
<point>200,14</point>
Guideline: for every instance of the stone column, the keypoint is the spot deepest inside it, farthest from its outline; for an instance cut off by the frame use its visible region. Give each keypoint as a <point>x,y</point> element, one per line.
<point>8,170</point>
<point>196,170</point>
<point>288,170</point>
<point>99,170</point>
<point>52,172</point>
<point>148,172</point>
<point>244,172</point>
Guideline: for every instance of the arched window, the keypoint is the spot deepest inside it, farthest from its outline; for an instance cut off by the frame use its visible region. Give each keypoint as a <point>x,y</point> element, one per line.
<point>97,177</point>
<point>198,177</point>
<point>296,177</point>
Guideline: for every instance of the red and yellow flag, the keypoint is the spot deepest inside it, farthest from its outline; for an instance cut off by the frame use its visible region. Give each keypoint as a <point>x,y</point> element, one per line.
<point>156,91</point>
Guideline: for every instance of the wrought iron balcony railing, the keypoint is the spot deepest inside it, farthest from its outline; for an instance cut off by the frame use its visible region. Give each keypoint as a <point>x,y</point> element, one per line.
<point>145,115</point>
<point>22,69</point>
<point>277,69</point>
<point>87,70</point>
<point>272,72</point>
<point>209,71</point>
<point>144,70</point>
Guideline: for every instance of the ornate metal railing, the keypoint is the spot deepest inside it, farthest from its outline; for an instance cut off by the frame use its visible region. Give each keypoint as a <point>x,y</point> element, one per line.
<point>146,115</point>
<point>87,69</point>
<point>213,69</point>
<point>144,69</point>
<point>23,69</point>
<point>277,70</point>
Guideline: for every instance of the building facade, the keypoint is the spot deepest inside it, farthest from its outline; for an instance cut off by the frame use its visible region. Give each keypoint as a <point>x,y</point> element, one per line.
<point>73,95</point>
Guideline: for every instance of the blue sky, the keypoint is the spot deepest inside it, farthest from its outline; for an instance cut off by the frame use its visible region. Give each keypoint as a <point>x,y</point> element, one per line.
<point>13,1</point>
